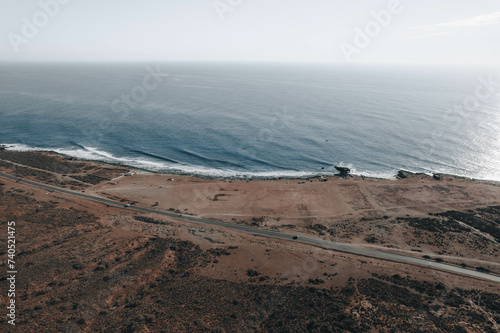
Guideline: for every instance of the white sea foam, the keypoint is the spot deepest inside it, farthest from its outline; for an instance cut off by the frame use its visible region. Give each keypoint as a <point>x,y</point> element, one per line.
<point>94,154</point>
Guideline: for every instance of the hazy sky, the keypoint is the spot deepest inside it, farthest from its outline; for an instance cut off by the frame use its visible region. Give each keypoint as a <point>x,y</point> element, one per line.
<point>422,31</point>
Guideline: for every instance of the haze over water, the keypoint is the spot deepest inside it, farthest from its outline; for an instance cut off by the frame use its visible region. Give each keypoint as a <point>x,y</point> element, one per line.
<point>258,120</point>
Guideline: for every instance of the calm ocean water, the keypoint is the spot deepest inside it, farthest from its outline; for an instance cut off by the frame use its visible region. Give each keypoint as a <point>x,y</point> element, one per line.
<point>257,120</point>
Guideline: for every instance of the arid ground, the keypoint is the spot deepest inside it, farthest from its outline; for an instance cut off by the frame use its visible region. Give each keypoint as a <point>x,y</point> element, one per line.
<point>87,267</point>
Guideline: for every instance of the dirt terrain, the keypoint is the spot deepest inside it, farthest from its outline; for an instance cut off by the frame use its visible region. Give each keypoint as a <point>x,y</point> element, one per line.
<point>85,267</point>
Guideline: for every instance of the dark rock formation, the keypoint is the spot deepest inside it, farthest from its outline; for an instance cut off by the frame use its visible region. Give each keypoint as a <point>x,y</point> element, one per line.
<point>343,171</point>
<point>402,174</point>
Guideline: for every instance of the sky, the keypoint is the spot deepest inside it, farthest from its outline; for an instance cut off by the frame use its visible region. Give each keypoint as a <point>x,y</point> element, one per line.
<point>331,31</point>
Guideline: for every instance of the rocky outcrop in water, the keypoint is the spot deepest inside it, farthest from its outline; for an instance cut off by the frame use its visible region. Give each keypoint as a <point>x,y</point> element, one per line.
<point>343,171</point>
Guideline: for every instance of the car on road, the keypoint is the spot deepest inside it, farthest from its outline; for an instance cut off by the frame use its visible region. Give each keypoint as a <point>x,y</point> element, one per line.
<point>295,237</point>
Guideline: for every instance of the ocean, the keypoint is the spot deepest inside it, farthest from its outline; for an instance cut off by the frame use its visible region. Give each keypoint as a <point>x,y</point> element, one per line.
<point>236,120</point>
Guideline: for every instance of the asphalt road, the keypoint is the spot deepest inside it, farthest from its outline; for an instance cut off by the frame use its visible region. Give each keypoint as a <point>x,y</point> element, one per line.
<point>370,253</point>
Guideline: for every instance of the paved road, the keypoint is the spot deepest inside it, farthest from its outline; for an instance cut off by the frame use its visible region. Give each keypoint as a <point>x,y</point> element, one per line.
<point>365,252</point>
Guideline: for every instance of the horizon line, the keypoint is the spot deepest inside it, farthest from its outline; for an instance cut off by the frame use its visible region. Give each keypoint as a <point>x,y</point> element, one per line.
<point>334,63</point>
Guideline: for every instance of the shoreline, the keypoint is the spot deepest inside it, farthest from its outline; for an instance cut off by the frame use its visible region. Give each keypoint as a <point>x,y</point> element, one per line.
<point>248,176</point>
